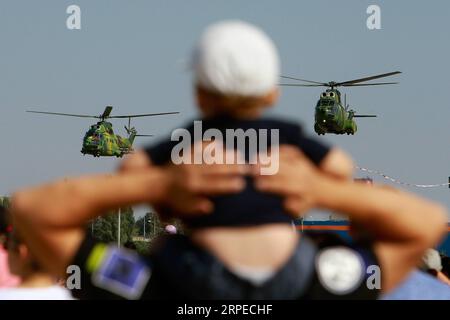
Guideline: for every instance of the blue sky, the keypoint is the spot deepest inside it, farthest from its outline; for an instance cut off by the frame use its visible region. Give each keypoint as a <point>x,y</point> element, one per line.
<point>130,54</point>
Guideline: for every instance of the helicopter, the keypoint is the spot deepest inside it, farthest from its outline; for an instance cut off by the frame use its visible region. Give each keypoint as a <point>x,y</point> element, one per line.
<point>100,140</point>
<point>332,115</point>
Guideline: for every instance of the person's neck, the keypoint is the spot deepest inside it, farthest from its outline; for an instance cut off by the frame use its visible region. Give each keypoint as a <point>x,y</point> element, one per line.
<point>37,280</point>
<point>249,115</point>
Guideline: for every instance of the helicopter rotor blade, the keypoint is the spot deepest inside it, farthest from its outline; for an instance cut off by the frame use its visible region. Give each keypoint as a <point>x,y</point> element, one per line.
<point>301,85</point>
<point>368,84</point>
<point>364,116</point>
<point>368,78</point>
<point>106,113</point>
<point>64,114</point>
<point>145,135</point>
<point>143,115</point>
<point>298,79</point>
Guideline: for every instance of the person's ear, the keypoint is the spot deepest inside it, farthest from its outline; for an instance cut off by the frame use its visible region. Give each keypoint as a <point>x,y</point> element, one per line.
<point>271,98</point>
<point>202,99</point>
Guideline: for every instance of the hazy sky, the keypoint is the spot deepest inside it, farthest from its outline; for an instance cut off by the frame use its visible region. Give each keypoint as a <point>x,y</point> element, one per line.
<point>131,54</point>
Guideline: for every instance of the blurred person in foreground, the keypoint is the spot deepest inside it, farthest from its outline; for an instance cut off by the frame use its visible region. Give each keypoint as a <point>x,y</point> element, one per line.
<point>235,81</point>
<point>36,283</point>
<point>6,278</point>
<point>53,218</point>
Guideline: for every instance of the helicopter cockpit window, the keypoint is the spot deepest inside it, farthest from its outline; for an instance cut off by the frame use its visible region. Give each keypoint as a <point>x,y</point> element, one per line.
<point>331,94</point>
<point>326,102</point>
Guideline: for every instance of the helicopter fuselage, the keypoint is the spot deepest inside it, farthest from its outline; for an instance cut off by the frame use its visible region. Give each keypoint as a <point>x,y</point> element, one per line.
<point>100,140</point>
<point>331,116</point>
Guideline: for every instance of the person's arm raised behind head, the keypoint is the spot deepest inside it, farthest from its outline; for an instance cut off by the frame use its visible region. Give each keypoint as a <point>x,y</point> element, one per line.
<point>403,225</point>
<point>51,218</point>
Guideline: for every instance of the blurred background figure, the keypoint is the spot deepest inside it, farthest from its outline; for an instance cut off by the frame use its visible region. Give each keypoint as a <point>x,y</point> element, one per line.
<point>432,264</point>
<point>6,278</point>
<point>170,229</point>
<point>426,283</point>
<point>35,283</point>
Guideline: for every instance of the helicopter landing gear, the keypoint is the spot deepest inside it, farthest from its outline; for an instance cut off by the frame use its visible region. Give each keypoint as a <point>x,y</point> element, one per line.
<point>318,130</point>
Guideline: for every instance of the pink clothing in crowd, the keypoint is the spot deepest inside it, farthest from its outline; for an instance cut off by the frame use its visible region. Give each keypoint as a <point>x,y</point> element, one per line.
<point>7,280</point>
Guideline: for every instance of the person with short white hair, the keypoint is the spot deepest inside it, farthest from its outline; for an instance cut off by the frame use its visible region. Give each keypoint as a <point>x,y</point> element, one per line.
<point>432,264</point>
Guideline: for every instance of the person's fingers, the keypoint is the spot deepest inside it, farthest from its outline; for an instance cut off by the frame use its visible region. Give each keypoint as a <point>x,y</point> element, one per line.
<point>204,206</point>
<point>296,206</point>
<point>275,184</point>
<point>289,156</point>
<point>292,207</point>
<point>197,205</point>
<point>289,152</point>
<point>222,185</point>
<point>224,169</point>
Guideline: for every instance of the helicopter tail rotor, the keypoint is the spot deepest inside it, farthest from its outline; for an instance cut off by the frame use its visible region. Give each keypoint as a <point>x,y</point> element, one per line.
<point>130,130</point>
<point>133,131</point>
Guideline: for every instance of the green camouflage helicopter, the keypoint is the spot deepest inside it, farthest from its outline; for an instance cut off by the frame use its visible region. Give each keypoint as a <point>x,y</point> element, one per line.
<point>332,115</point>
<point>100,140</point>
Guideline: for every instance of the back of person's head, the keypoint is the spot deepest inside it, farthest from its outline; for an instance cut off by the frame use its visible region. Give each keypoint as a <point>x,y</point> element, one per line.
<point>21,262</point>
<point>236,66</point>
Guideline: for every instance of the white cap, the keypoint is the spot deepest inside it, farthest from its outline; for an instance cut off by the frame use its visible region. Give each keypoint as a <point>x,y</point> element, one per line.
<point>236,58</point>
